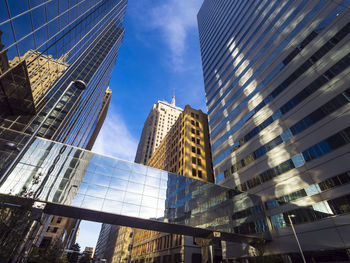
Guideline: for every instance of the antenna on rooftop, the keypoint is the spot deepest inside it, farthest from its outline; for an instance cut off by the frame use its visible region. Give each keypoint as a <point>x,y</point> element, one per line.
<point>173,99</point>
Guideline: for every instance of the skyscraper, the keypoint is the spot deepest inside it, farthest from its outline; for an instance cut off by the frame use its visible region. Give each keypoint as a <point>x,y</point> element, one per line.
<point>184,150</point>
<point>276,75</point>
<point>106,243</point>
<point>86,36</point>
<point>159,121</point>
<point>45,47</point>
<point>101,118</point>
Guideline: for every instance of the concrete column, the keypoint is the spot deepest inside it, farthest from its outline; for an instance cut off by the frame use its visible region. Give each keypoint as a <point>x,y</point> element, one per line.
<point>207,250</point>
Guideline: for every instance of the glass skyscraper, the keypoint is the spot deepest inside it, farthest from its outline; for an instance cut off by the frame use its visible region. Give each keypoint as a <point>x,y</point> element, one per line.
<point>45,46</point>
<point>276,79</point>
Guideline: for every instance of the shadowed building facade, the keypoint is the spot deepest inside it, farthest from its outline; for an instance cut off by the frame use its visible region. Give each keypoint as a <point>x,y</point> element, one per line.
<point>276,77</point>
<point>105,243</point>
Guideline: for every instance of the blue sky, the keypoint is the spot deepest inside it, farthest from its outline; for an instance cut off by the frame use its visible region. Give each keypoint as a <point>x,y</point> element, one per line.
<point>160,53</point>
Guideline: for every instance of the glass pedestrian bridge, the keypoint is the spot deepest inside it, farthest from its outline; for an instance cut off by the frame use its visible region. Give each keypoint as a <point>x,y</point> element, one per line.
<point>76,183</point>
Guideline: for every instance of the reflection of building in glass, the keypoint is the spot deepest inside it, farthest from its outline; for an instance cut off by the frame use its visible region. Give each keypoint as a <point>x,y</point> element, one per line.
<point>42,72</point>
<point>4,62</point>
<point>50,45</point>
<point>153,246</point>
<point>276,78</point>
<point>159,121</point>
<point>101,118</point>
<point>84,36</point>
<point>184,150</point>
<point>134,195</point>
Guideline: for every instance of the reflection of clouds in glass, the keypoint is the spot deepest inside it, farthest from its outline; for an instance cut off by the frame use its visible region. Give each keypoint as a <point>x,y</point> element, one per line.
<point>96,191</point>
<point>112,206</point>
<point>118,183</point>
<point>161,204</point>
<point>147,212</point>
<point>78,200</point>
<point>117,195</point>
<point>92,203</point>
<point>135,188</point>
<point>105,170</point>
<point>133,198</point>
<point>155,173</point>
<point>151,181</point>
<point>124,165</point>
<point>137,178</point>
<point>130,210</point>
<point>149,201</point>
<point>151,191</point>
<point>88,177</point>
<point>162,193</point>
<point>164,183</point>
<point>82,189</point>
<point>100,180</point>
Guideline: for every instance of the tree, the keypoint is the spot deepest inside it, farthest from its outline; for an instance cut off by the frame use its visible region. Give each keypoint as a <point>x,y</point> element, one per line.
<point>85,259</point>
<point>52,254</point>
<point>16,227</point>
<point>74,256</point>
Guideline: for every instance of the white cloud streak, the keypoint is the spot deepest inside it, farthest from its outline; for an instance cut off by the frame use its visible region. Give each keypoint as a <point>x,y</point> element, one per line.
<point>175,19</point>
<point>115,139</point>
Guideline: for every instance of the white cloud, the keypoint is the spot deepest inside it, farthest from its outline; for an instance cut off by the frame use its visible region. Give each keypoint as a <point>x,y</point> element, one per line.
<point>115,139</point>
<point>176,18</point>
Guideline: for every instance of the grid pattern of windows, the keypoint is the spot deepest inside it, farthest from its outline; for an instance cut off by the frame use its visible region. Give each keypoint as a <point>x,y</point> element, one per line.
<point>185,149</point>
<point>258,60</point>
<point>320,149</point>
<point>60,41</point>
<point>80,178</point>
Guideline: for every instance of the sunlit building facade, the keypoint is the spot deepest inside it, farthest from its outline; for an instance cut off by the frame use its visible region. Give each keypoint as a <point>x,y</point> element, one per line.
<point>42,73</point>
<point>52,44</point>
<point>184,150</point>
<point>45,46</point>
<point>123,246</point>
<point>159,121</point>
<point>276,77</point>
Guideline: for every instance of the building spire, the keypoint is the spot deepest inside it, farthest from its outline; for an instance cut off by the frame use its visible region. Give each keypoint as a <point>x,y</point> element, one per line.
<point>173,99</point>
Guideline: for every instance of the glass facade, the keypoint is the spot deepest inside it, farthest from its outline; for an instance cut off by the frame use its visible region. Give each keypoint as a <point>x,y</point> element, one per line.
<point>276,77</point>
<point>46,46</point>
<point>55,172</point>
<point>57,42</point>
